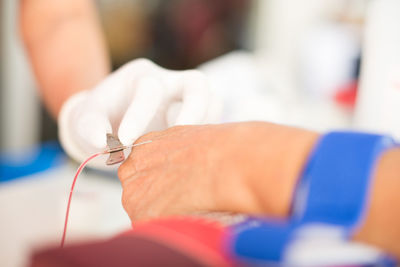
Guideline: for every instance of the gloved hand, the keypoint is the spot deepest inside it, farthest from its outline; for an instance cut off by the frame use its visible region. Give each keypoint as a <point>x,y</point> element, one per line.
<point>137,98</point>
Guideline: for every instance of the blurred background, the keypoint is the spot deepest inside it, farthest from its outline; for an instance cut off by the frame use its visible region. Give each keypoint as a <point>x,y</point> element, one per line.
<point>174,34</point>
<point>311,63</point>
<point>304,48</point>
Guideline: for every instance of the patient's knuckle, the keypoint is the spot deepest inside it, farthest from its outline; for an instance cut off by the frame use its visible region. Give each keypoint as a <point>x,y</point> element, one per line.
<point>128,169</point>
<point>125,199</point>
<point>123,171</point>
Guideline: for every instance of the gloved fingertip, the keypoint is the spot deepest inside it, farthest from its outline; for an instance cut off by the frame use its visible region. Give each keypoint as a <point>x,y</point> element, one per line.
<point>94,128</point>
<point>99,140</point>
<point>125,134</point>
<point>173,113</point>
<point>126,139</point>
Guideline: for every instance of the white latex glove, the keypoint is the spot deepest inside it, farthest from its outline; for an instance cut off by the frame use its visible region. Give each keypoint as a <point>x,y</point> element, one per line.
<point>137,98</point>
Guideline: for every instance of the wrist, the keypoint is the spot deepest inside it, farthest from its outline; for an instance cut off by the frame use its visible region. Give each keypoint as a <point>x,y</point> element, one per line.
<point>281,159</point>
<point>268,160</point>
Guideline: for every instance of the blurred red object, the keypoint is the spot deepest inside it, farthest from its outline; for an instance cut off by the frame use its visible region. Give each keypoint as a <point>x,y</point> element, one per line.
<point>165,242</point>
<point>347,95</point>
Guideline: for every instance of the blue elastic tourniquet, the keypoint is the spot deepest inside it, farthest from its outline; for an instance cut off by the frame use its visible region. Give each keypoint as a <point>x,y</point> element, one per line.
<point>337,178</point>
<point>252,240</point>
<point>333,190</point>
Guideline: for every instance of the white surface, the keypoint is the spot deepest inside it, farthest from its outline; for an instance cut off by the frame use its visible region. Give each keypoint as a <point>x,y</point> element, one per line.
<point>378,104</point>
<point>32,211</point>
<point>324,245</point>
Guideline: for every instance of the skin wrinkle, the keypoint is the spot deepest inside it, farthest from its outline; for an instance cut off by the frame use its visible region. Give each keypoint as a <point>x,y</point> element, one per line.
<point>134,195</point>
<point>134,178</point>
<point>176,196</point>
<point>168,156</point>
<point>152,178</point>
<point>211,166</point>
<point>127,170</point>
<point>138,163</point>
<point>205,201</point>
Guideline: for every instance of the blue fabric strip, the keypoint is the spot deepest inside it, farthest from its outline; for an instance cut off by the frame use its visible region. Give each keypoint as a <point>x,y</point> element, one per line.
<point>261,240</point>
<point>37,159</point>
<point>333,189</point>
<point>336,181</point>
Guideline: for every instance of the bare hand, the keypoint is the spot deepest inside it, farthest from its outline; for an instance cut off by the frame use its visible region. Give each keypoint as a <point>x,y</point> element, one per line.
<point>213,168</point>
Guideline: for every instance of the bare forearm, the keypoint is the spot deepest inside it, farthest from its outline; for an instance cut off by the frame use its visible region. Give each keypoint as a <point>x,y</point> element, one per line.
<point>382,222</point>
<point>65,46</point>
<point>268,164</point>
<point>278,164</point>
